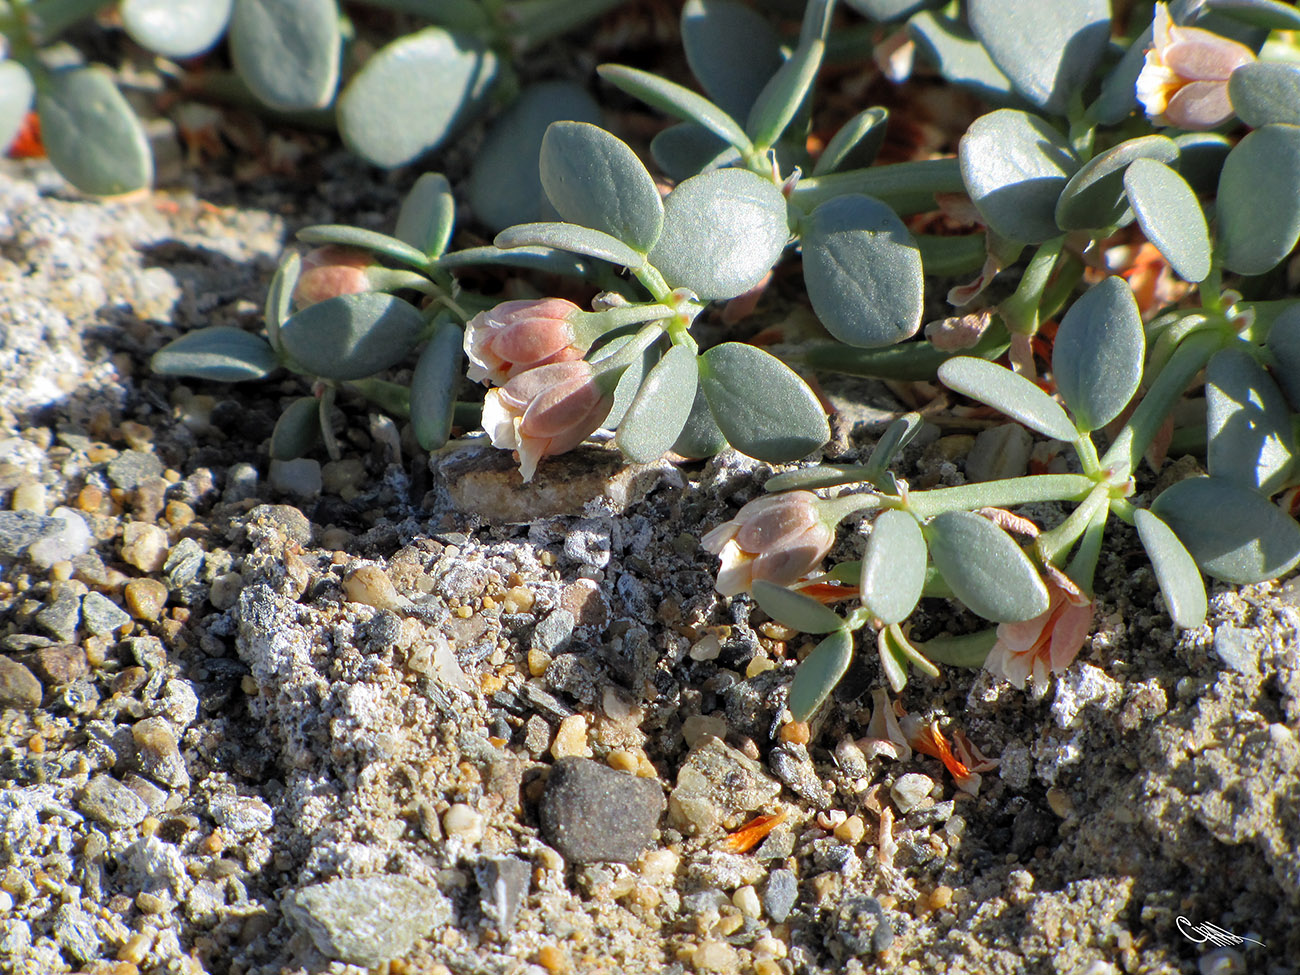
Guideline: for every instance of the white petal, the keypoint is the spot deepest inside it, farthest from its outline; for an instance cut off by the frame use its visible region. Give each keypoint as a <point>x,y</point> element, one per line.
<point>499,422</point>
<point>737,572</point>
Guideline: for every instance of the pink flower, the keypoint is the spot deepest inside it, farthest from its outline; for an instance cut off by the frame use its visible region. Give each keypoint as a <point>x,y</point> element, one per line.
<point>778,537</point>
<point>545,411</point>
<point>516,336</point>
<point>1185,79</point>
<point>1046,644</point>
<point>330,271</point>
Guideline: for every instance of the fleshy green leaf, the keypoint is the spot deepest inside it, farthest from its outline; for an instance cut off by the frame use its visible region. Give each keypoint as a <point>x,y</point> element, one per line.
<point>412,94</point>
<point>967,650</point>
<point>505,183</point>
<point>722,233</point>
<point>594,180</point>
<point>812,478</point>
<point>1249,433</point>
<point>856,144</point>
<point>761,406</point>
<point>794,609</point>
<point>1097,356</point>
<point>686,149</point>
<point>883,11</point>
<point>279,296</point>
<point>676,101</point>
<point>352,336</point>
<point>90,133</point>
<point>732,50</point>
<point>1015,166</point>
<point>896,436</point>
<point>1013,395</point>
<point>1094,197</point>
<point>570,237</point>
<point>1118,95</point>
<point>297,431</point>
<point>176,29</point>
<point>818,674</point>
<point>218,352</point>
<point>659,411</point>
<point>863,272</point>
<point>1170,216</point>
<point>629,384</point>
<point>985,568</point>
<point>779,101</point>
<point>535,258</point>
<point>1176,571</point>
<point>338,233</point>
<point>1048,48</point>
<point>287,51</point>
<point>428,215</point>
<point>434,383</point>
<point>1267,14</point>
<point>1284,343</point>
<point>1234,534</point>
<point>17,92</point>
<point>1265,92</point>
<point>1258,207</point>
<point>960,58</point>
<point>700,437</point>
<point>893,567</point>
<point>1200,159</point>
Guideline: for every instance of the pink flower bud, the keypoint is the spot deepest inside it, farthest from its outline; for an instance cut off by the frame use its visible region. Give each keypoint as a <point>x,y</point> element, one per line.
<point>545,411</point>
<point>330,271</point>
<point>778,537</point>
<point>516,336</point>
<point>1184,81</point>
<point>1046,644</point>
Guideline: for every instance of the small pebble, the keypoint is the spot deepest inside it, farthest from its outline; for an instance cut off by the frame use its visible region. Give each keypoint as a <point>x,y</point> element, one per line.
<point>131,467</point>
<point>553,632</point>
<point>300,478</point>
<point>591,813</point>
<point>463,822</point>
<point>571,738</point>
<point>19,687</point>
<point>108,801</point>
<point>101,615</point>
<point>716,958</point>
<point>910,790</point>
<point>851,831</point>
<point>29,496</point>
<point>747,901</point>
<point>780,893</point>
<point>503,884</point>
<point>160,758</point>
<point>367,921</point>
<point>69,539</point>
<point>144,546</point>
<point>370,585</point>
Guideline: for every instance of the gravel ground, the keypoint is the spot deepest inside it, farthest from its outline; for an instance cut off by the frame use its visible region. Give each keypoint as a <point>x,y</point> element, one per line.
<point>263,718</point>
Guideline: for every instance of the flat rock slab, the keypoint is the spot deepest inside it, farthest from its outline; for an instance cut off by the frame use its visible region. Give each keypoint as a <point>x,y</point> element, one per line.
<point>367,920</point>
<point>592,813</point>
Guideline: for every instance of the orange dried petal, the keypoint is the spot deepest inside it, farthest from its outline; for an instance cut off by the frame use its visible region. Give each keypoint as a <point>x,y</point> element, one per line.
<point>752,833</point>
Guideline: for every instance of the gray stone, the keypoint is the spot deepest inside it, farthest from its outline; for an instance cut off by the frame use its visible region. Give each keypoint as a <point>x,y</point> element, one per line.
<point>74,930</point>
<point>19,687</point>
<point>183,565</point>
<point>178,703</point>
<point>795,768</point>
<point>292,522</point>
<point>553,632</point>
<point>101,615</point>
<point>301,478</point>
<point>62,615</point>
<point>910,790</point>
<point>158,754</point>
<point>147,651</point>
<point>132,467</point>
<point>999,452</point>
<point>861,928</point>
<point>242,814</point>
<point>503,885</point>
<point>780,893</point>
<point>1237,648</point>
<point>592,813</point>
<point>717,781</point>
<point>70,540</point>
<point>241,483</point>
<point>19,529</point>
<point>108,801</point>
<point>367,920</point>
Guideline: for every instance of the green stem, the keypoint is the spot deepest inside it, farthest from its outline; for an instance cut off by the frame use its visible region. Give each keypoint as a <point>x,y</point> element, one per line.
<point>1083,566</point>
<point>1020,311</point>
<point>1052,546</point>
<point>653,281</point>
<point>1087,452</point>
<point>911,361</point>
<point>588,326</point>
<point>1069,269</point>
<point>611,368</point>
<point>999,494</point>
<point>908,187</point>
<point>951,257</point>
<point>967,650</point>
<point>1189,359</point>
<point>834,510</point>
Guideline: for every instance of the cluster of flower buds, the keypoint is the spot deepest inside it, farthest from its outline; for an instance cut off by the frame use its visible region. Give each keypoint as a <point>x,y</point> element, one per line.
<point>779,538</point>
<point>1184,81</point>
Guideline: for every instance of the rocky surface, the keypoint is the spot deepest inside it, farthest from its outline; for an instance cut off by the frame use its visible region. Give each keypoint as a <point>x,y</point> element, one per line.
<point>259,720</point>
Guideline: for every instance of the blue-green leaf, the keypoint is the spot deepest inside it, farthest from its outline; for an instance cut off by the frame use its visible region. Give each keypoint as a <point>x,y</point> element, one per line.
<point>794,609</point>
<point>352,336</point>
<point>985,568</point>
<point>686,149</point>
<point>779,101</point>
<point>1249,433</point>
<point>505,183</point>
<point>1265,92</point>
<point>967,650</point>
<point>1234,534</point>
<point>1094,197</point>
<point>537,258</point>
<point>884,11</point>
<point>176,29</point>
<point>298,429</point>
<point>371,240</point>
<point>218,352</point>
<point>732,49</point>
<point>412,94</point>
<point>570,237</point>
<point>428,215</point>
<point>1013,395</point>
<point>722,232</point>
<point>594,180</point>
<point>960,58</point>
<point>1098,353</point>
<point>863,272</point>
<point>700,437</point>
<point>1284,343</point>
<point>856,144</point>
<point>897,435</point>
<point>90,133</point>
<point>658,413</point>
<point>279,296</point>
<point>1048,48</point>
<point>287,51</point>
<point>434,383</point>
<point>1265,14</point>
<point>818,674</point>
<point>676,101</point>
<point>1200,159</point>
<point>1015,166</point>
<point>1258,207</point>
<point>1118,96</point>
<point>893,567</point>
<point>1176,571</point>
<point>1170,216</point>
<point>761,406</point>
